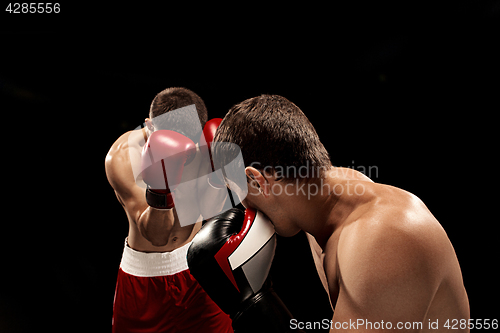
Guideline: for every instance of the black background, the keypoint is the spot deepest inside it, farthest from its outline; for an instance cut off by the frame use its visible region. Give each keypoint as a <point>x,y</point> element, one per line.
<point>410,89</point>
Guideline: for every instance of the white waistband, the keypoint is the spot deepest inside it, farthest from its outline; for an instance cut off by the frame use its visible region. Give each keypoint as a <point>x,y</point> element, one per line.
<point>154,264</point>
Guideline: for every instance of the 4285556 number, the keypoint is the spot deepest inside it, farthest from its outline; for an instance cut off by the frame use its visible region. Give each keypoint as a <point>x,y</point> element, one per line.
<point>33,7</point>
<point>485,324</point>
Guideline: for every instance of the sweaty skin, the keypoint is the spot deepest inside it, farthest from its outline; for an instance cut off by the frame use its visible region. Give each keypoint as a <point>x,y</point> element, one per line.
<point>150,229</point>
<point>386,257</point>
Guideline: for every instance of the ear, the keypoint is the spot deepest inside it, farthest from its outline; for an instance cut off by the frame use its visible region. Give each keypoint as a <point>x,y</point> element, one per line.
<point>258,181</point>
<point>149,125</point>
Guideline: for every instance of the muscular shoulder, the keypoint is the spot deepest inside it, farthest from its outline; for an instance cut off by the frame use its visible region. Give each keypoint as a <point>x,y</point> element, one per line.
<point>117,158</point>
<point>394,221</point>
<point>123,165</point>
<point>391,252</point>
<point>117,150</point>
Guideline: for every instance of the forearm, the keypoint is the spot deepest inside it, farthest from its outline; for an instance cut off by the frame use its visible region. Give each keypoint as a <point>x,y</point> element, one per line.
<point>155,225</point>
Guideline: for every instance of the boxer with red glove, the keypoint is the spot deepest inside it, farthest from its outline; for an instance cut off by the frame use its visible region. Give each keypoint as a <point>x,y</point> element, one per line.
<point>230,257</point>
<point>163,159</point>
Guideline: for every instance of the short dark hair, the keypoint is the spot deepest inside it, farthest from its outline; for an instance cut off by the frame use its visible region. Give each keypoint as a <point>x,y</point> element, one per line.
<point>271,132</point>
<point>174,98</point>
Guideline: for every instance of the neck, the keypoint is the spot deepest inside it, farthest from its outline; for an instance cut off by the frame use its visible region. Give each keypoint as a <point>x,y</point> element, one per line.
<point>323,209</point>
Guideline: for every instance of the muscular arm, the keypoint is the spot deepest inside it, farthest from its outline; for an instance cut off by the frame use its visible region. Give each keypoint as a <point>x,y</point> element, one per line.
<point>154,224</point>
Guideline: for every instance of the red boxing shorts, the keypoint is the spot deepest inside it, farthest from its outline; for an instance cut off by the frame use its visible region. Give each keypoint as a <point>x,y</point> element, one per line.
<point>155,293</point>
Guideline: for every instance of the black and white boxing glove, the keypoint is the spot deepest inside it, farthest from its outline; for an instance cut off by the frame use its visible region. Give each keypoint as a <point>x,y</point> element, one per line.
<point>231,257</point>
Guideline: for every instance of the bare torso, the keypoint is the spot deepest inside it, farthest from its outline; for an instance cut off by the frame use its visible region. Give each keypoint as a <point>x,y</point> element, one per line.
<point>127,182</point>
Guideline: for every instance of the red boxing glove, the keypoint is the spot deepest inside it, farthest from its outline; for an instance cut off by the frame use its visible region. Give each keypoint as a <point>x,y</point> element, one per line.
<point>163,159</point>
<point>209,133</point>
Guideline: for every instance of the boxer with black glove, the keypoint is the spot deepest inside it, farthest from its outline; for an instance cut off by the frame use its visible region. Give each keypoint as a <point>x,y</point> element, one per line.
<point>230,257</point>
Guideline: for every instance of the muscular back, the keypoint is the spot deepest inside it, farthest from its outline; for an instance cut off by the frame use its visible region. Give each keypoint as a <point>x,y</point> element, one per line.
<point>123,163</point>
<point>393,262</point>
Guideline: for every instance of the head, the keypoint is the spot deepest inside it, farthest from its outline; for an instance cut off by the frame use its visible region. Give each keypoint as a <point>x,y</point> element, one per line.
<point>280,150</point>
<point>172,99</point>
